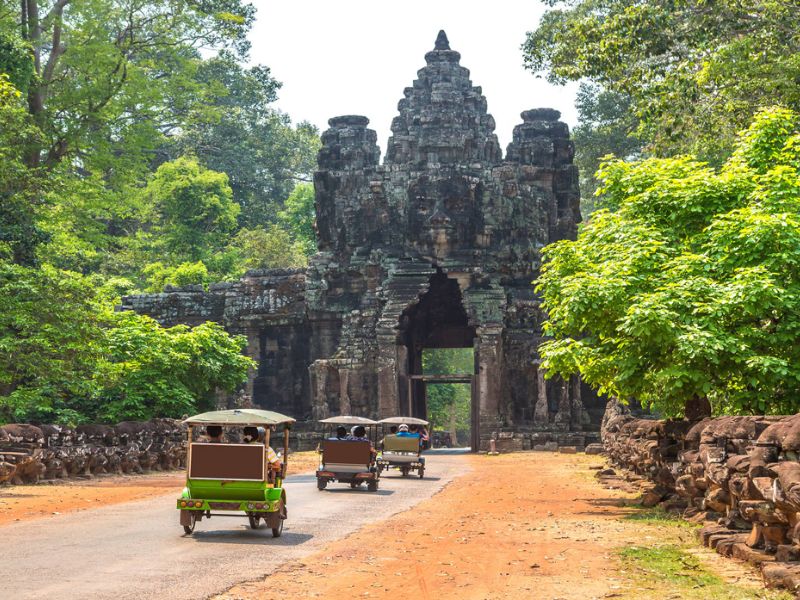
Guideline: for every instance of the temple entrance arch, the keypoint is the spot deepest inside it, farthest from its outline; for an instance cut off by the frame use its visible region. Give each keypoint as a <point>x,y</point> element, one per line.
<point>437,321</point>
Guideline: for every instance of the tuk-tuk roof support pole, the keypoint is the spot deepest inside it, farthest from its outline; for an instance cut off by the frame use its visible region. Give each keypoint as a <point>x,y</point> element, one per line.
<point>189,452</point>
<point>285,450</point>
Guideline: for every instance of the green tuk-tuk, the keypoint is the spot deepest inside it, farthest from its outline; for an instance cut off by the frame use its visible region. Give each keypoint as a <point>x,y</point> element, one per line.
<point>399,450</point>
<point>233,476</point>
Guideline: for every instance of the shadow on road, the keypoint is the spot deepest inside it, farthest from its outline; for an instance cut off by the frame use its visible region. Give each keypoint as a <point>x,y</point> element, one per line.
<point>616,507</point>
<point>398,476</point>
<point>349,490</point>
<point>260,536</point>
<point>447,451</point>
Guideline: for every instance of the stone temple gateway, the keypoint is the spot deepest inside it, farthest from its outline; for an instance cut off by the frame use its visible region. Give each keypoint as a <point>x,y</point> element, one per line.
<point>435,248</point>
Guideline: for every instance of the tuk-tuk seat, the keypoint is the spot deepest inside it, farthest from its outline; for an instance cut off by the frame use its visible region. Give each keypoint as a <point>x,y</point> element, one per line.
<point>393,443</point>
<point>346,456</point>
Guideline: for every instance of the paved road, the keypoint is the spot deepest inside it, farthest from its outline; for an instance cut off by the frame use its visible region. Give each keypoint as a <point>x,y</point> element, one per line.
<point>137,550</point>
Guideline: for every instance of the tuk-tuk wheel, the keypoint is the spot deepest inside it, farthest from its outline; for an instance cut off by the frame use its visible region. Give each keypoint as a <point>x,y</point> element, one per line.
<point>253,521</point>
<point>404,471</point>
<point>422,472</point>
<point>372,486</point>
<point>321,483</point>
<point>189,529</point>
<point>277,531</point>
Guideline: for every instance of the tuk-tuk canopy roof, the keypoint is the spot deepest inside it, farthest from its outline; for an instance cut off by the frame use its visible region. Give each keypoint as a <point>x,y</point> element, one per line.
<point>401,420</point>
<point>349,420</point>
<point>239,416</point>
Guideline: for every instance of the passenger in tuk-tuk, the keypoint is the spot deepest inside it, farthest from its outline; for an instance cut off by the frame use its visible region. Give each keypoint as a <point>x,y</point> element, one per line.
<point>403,431</point>
<point>258,434</point>
<point>214,434</point>
<point>341,433</point>
<point>358,433</point>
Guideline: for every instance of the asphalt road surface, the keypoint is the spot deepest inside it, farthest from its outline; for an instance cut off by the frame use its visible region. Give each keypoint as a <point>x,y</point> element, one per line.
<point>138,550</point>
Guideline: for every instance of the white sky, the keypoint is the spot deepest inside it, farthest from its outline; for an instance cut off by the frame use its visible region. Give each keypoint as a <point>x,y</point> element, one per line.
<point>356,56</point>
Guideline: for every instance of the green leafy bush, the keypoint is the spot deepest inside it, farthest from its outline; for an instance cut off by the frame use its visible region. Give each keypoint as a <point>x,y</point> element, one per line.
<point>66,356</point>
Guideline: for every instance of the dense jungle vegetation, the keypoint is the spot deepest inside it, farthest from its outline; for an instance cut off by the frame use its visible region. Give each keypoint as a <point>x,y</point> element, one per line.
<point>683,291</point>
<point>136,151</point>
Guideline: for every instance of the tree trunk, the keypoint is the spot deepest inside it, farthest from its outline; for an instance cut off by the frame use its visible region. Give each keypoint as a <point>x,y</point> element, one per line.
<point>697,408</point>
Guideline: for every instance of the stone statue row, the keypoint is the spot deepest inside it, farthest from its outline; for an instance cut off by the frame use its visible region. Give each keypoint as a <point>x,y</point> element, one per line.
<point>30,453</point>
<point>741,472</point>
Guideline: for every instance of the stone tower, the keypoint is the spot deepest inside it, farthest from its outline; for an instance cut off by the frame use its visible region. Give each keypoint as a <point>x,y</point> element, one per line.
<point>435,248</point>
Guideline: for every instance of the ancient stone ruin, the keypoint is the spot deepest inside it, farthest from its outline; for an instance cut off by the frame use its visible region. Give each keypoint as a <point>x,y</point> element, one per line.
<point>436,247</point>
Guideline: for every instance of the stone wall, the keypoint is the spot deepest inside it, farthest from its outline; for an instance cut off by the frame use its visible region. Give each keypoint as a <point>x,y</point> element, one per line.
<point>739,476</point>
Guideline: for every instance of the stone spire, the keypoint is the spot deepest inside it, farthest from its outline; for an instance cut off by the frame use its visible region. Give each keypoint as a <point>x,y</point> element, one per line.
<point>443,118</point>
<point>442,42</point>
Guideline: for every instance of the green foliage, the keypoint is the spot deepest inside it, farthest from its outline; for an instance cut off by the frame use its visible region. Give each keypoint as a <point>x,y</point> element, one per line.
<point>16,60</point>
<point>195,207</point>
<point>449,403</point>
<point>606,126</point>
<point>237,133</point>
<point>272,248</point>
<point>298,217</point>
<point>168,372</point>
<point>20,187</point>
<point>159,275</point>
<point>65,356</point>
<point>130,137</point>
<point>50,341</point>
<point>691,289</point>
<point>695,72</point>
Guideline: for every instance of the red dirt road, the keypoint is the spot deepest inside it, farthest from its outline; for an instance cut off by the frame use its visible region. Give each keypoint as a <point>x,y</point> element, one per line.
<point>521,525</point>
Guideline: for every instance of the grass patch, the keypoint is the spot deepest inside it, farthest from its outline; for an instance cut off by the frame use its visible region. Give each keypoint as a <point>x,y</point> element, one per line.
<point>657,516</point>
<point>671,572</point>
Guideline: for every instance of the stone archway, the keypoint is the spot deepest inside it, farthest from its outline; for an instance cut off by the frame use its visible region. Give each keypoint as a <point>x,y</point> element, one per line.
<point>437,320</point>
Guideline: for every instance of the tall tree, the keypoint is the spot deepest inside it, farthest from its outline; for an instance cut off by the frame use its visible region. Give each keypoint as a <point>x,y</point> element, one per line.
<point>695,71</point>
<point>239,133</point>
<point>689,292</point>
<point>606,126</point>
<point>111,76</point>
<point>20,187</point>
<point>299,215</point>
<point>196,214</point>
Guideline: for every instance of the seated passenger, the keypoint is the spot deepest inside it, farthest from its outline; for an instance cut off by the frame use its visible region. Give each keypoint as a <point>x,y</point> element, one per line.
<point>359,434</point>
<point>425,439</point>
<point>403,431</point>
<point>214,434</point>
<point>341,433</point>
<point>258,434</point>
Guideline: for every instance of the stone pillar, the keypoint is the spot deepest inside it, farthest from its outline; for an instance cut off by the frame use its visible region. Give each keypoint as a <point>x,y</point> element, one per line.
<point>540,413</point>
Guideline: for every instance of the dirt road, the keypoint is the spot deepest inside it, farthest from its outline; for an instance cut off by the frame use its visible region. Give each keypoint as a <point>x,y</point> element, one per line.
<point>531,525</point>
<point>136,550</point>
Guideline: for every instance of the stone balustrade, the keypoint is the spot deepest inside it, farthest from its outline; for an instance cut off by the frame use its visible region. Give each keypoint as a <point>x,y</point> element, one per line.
<point>738,476</point>
<point>30,453</point>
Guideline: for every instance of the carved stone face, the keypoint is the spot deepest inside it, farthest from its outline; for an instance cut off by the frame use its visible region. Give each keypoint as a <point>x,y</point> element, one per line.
<point>444,214</point>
